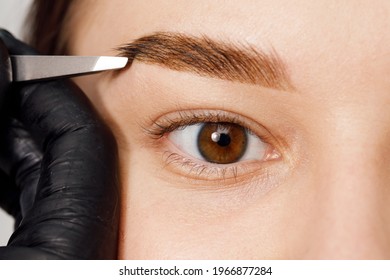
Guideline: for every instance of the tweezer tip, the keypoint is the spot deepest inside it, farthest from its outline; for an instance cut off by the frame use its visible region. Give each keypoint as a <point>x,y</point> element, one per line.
<point>110,62</point>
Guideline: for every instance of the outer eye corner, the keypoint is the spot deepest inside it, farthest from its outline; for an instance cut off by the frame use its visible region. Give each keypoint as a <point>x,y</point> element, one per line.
<point>273,155</point>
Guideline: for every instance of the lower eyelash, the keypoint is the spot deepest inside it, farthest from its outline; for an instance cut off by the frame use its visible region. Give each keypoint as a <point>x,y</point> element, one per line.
<point>199,169</point>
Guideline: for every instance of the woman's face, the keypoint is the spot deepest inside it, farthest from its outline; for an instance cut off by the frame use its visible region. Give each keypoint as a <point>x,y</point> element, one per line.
<point>246,129</point>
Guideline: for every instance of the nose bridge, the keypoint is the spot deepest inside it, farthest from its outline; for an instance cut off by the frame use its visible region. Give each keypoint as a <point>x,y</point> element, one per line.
<point>351,182</point>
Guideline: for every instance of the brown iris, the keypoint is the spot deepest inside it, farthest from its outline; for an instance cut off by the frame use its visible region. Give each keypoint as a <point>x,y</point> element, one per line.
<point>222,143</point>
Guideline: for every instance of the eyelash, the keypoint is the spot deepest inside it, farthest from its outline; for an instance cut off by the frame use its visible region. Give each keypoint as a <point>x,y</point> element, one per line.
<point>183,119</point>
<point>186,118</point>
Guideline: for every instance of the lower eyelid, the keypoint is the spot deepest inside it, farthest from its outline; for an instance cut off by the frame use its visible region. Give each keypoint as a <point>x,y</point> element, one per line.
<point>199,171</point>
<point>202,171</point>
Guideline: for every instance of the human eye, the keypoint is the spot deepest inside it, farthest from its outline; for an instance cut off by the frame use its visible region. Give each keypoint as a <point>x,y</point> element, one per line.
<point>214,145</point>
<point>220,142</point>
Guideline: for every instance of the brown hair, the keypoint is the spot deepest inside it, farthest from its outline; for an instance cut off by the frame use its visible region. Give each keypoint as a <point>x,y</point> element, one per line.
<point>45,25</point>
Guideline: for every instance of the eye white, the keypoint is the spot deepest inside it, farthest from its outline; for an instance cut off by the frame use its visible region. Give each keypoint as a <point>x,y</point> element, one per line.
<point>186,139</point>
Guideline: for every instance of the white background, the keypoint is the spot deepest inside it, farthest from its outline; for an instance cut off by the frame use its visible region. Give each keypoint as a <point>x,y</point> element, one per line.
<point>12,14</point>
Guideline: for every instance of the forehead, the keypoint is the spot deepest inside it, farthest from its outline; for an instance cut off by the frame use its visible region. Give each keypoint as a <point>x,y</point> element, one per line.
<point>318,40</point>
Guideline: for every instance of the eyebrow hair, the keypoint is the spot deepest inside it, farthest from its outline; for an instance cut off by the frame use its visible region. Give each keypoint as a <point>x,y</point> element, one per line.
<point>207,57</point>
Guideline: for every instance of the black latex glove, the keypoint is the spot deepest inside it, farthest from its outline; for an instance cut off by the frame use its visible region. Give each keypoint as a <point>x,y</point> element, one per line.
<point>58,169</point>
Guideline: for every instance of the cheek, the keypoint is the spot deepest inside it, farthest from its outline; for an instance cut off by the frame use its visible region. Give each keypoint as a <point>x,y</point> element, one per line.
<point>162,220</point>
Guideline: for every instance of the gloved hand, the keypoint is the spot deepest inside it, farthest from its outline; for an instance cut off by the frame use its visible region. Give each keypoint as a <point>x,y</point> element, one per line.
<point>58,169</point>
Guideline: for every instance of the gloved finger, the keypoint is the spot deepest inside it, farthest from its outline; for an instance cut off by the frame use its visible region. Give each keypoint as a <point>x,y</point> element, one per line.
<point>19,155</point>
<point>78,187</point>
<point>15,46</point>
<point>20,159</point>
<point>9,45</point>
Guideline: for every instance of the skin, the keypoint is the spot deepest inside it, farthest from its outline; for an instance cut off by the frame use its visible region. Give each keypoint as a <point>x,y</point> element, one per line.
<point>326,196</point>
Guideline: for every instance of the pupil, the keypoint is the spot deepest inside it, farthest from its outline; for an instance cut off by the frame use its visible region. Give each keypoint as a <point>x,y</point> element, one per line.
<point>224,140</point>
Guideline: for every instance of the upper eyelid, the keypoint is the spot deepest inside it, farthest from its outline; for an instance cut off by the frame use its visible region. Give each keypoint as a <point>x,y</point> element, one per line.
<point>170,122</point>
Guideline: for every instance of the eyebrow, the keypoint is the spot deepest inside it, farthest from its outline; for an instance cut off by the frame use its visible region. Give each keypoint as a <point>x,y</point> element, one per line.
<point>206,57</point>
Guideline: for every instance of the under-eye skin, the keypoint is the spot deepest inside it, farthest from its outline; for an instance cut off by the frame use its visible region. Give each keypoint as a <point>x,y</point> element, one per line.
<point>213,144</point>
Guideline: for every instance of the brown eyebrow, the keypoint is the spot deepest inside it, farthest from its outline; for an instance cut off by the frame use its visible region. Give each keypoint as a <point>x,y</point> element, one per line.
<point>207,57</point>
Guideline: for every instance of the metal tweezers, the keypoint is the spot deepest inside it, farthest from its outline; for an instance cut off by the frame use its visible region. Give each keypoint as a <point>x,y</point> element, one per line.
<point>36,67</point>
